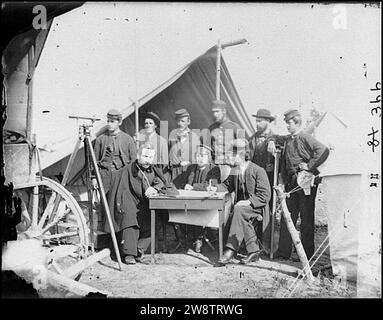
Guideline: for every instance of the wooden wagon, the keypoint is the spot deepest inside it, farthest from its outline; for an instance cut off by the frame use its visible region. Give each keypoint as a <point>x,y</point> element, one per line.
<point>50,212</point>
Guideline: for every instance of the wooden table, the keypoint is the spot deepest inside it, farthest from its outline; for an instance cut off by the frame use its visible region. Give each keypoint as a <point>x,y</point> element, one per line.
<point>188,202</point>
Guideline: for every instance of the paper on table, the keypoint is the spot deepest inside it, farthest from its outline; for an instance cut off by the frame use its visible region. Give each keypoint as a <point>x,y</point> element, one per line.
<point>200,194</point>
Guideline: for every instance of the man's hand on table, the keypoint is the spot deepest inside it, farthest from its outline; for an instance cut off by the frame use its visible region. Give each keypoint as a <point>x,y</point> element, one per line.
<point>150,192</point>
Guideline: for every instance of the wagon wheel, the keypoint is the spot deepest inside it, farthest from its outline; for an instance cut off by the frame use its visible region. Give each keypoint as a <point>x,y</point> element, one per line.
<point>51,214</point>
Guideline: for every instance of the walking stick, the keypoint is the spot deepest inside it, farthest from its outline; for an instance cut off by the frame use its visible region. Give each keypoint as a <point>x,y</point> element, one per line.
<point>274,203</point>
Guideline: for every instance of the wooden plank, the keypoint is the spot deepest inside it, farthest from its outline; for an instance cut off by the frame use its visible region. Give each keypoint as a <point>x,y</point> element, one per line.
<point>67,284</point>
<point>74,270</point>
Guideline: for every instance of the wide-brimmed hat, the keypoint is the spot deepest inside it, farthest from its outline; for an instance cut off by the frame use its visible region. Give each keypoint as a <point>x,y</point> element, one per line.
<point>264,113</point>
<point>152,115</point>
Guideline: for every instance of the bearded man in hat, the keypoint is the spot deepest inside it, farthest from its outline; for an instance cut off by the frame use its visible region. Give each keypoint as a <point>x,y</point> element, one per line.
<point>129,201</point>
<point>302,155</point>
<point>261,156</point>
<point>114,149</point>
<point>259,142</point>
<point>183,144</point>
<point>252,191</point>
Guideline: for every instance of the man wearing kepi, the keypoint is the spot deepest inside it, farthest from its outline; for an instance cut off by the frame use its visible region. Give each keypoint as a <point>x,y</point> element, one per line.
<point>129,200</point>
<point>252,189</point>
<point>302,154</point>
<point>222,132</point>
<point>113,149</point>
<point>183,143</point>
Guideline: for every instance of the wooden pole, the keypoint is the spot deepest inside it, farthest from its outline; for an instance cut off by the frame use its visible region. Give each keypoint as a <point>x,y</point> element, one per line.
<point>90,196</point>
<point>30,90</point>
<point>294,234</point>
<point>274,204</point>
<point>136,107</point>
<point>104,201</point>
<point>74,270</point>
<point>218,72</point>
<point>35,206</point>
<point>66,174</point>
<point>67,284</point>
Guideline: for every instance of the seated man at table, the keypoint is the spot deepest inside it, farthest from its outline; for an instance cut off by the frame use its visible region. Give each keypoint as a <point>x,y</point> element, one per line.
<point>129,203</point>
<point>202,176</point>
<point>252,190</point>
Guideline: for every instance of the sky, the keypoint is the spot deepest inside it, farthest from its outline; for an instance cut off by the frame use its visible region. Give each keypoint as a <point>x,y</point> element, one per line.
<point>302,55</point>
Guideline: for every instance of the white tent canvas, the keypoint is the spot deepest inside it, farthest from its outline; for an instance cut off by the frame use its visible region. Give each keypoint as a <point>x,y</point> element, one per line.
<point>351,205</point>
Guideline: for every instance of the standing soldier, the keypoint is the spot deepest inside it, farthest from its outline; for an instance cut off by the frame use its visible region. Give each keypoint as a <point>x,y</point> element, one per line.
<point>222,133</point>
<point>302,155</point>
<point>260,140</point>
<point>113,150</point>
<point>260,155</point>
<point>183,143</point>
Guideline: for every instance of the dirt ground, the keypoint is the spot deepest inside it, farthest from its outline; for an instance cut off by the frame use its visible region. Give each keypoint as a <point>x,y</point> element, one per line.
<point>187,274</point>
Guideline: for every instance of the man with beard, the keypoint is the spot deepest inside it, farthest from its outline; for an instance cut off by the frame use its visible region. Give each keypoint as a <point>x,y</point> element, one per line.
<point>261,156</point>
<point>129,201</point>
<point>259,142</point>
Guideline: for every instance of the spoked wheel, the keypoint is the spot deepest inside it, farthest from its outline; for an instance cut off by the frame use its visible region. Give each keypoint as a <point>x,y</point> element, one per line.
<point>51,214</point>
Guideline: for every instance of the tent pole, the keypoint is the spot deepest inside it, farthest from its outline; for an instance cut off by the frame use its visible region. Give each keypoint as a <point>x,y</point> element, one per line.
<point>136,107</point>
<point>30,84</point>
<point>218,71</point>
<point>221,46</point>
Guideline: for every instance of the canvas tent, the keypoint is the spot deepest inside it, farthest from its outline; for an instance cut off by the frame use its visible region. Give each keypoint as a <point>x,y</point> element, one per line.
<point>158,82</point>
<point>351,205</point>
<point>192,87</point>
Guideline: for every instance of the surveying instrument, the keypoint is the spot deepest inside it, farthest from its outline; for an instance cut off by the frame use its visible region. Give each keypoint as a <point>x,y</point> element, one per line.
<point>91,162</point>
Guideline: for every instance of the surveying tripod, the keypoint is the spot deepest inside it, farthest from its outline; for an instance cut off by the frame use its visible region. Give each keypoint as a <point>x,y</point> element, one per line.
<point>90,160</point>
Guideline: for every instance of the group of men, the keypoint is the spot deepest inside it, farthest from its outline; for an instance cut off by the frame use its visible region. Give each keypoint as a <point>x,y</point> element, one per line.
<point>219,158</point>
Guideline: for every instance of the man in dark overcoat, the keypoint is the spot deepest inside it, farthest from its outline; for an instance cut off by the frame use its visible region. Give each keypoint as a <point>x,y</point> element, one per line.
<point>129,203</point>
